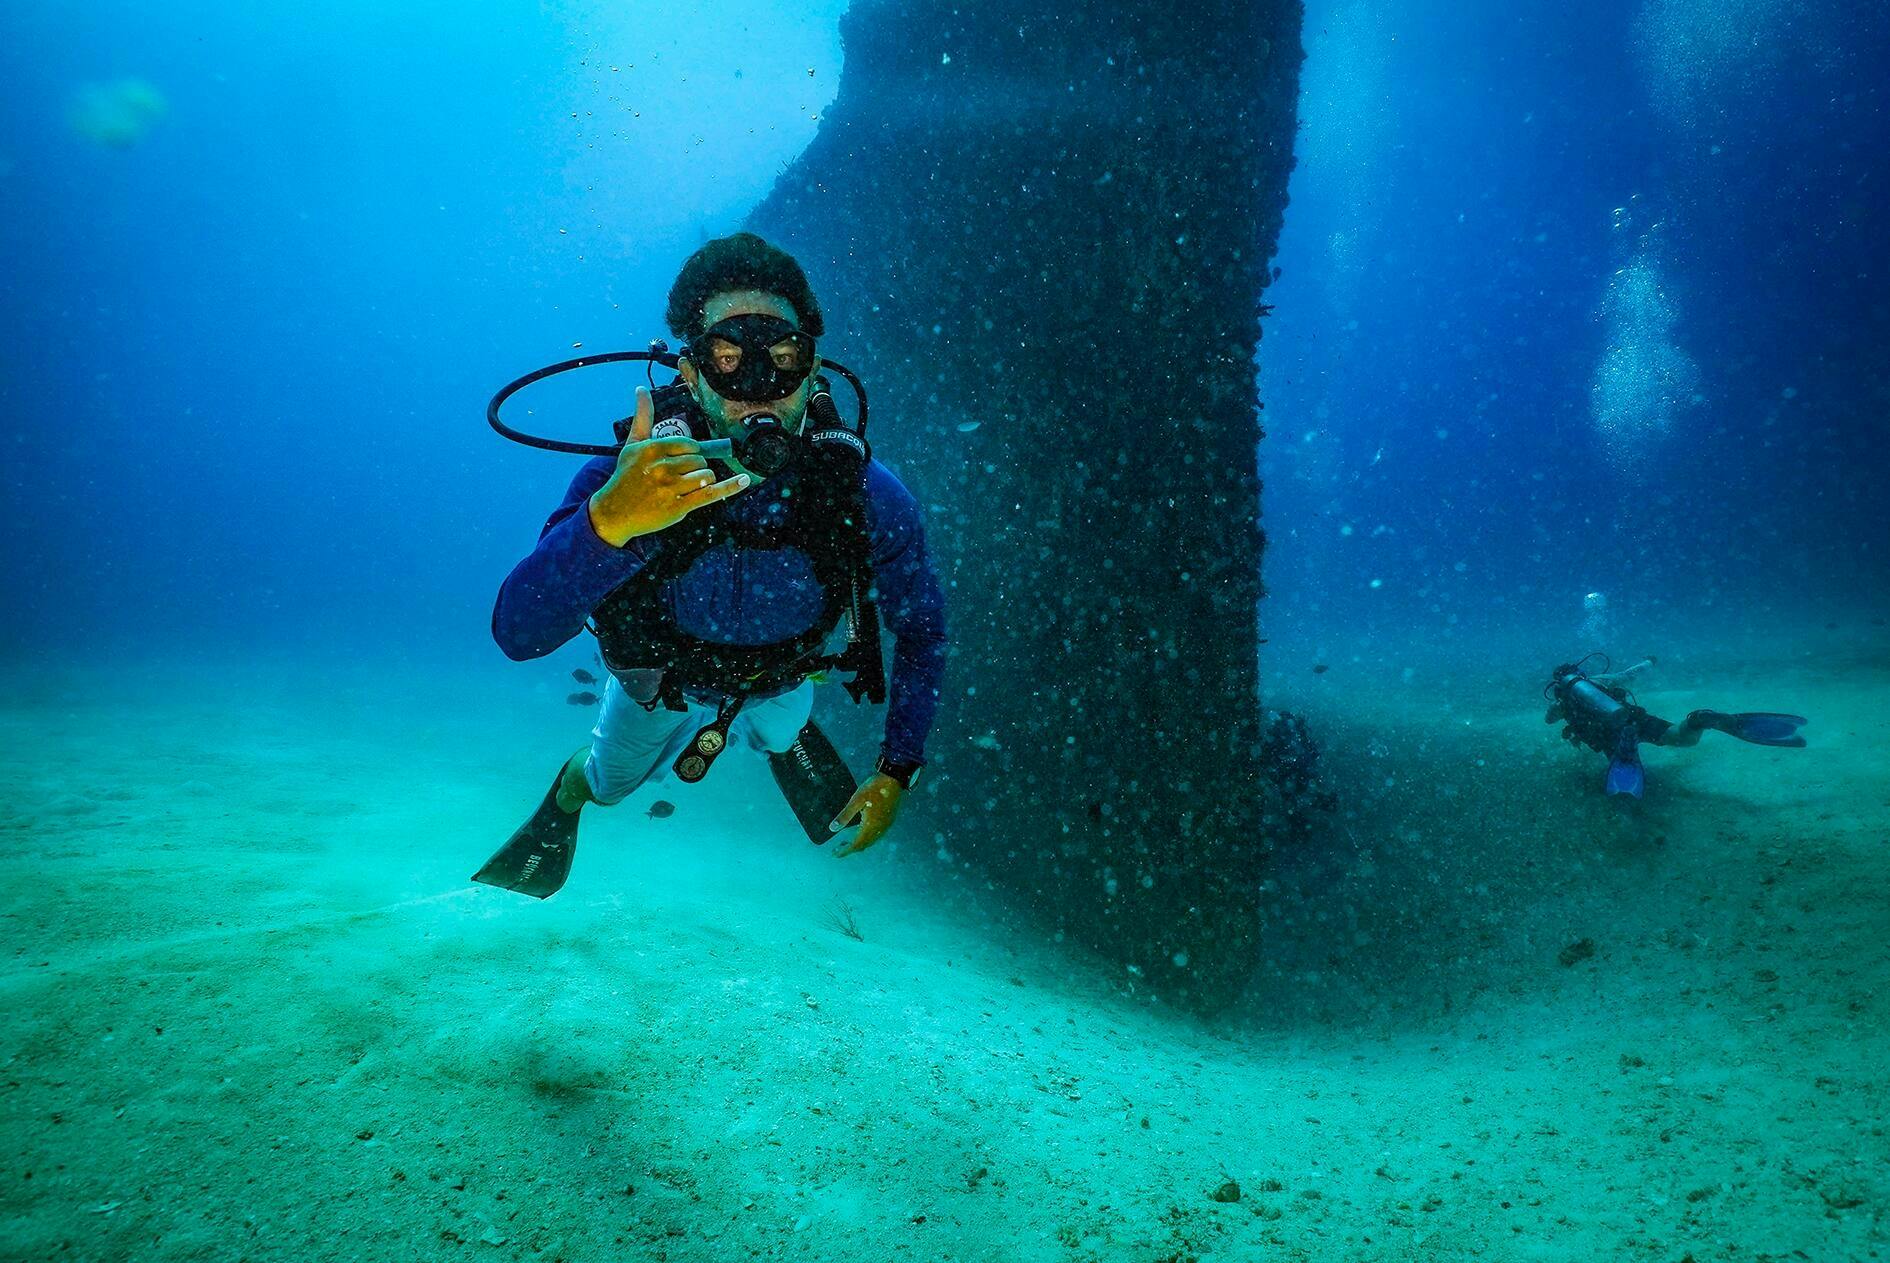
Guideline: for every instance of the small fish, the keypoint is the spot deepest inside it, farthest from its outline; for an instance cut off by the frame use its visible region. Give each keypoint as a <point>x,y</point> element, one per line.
<point>582,676</point>
<point>581,699</point>
<point>660,810</point>
<point>1320,668</point>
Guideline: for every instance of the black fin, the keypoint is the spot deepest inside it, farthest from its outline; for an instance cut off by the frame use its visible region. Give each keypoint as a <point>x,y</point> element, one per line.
<point>536,859</point>
<point>815,780</point>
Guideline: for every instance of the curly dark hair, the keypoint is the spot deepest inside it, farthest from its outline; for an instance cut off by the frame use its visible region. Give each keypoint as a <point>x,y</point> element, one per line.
<point>740,261</point>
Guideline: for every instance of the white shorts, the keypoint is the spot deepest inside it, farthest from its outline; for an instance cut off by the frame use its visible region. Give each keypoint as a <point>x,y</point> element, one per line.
<point>631,745</point>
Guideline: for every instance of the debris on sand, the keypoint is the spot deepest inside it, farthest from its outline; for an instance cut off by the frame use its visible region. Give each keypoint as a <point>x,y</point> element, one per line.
<point>1578,951</point>
<point>839,916</point>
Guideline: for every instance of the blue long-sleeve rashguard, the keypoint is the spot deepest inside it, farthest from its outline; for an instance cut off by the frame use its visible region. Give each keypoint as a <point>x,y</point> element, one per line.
<point>742,596</point>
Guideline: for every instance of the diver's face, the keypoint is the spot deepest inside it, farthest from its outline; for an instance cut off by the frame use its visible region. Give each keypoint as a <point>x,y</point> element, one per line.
<point>727,416</point>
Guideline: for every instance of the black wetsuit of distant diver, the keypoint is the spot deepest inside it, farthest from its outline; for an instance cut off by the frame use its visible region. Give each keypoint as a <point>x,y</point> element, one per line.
<point>1602,715</point>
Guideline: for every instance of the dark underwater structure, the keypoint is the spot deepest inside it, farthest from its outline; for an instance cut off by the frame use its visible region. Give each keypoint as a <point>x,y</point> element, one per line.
<point>1043,240</point>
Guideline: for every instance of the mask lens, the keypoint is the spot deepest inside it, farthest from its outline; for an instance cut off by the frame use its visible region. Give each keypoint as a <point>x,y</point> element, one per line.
<point>793,355</point>
<point>754,357</point>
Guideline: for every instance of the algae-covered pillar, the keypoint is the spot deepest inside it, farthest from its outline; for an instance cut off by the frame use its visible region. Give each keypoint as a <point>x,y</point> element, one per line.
<point>1042,240</point>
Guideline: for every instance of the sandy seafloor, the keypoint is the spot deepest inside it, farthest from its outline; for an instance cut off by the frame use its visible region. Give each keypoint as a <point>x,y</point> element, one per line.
<point>254,1010</point>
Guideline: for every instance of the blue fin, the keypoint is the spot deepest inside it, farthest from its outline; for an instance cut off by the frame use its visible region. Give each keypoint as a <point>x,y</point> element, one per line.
<point>1761,728</point>
<point>1626,778</point>
<point>1625,773</point>
<point>1765,729</point>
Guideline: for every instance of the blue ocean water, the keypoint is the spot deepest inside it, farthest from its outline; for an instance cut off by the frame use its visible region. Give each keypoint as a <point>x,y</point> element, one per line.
<point>1569,302</point>
<point>1579,341</point>
<point>253,334</point>
<point>1581,299</point>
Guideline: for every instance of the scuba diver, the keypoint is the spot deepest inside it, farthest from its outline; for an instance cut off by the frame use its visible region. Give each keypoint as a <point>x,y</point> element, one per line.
<point>1600,713</point>
<point>1289,768</point>
<point>715,555</point>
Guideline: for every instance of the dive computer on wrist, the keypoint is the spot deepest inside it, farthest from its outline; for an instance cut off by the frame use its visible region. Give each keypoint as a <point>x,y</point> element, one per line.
<point>907,774</point>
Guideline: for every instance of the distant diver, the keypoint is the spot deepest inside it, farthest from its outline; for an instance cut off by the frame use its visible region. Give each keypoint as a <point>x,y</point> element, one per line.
<point>714,604</point>
<point>1600,713</point>
<point>1289,765</point>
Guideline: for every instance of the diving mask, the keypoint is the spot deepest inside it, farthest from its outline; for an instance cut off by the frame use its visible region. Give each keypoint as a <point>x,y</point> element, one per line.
<point>753,357</point>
